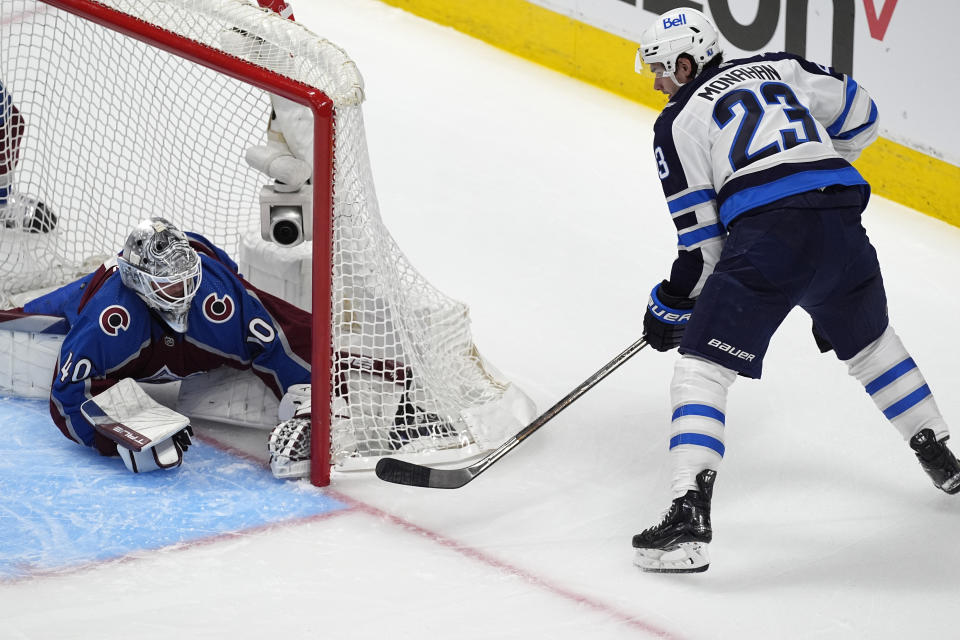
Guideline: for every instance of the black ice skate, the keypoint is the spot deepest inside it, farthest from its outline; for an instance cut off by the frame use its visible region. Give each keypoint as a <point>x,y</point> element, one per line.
<point>937,460</point>
<point>679,543</point>
<point>412,423</point>
<point>28,214</point>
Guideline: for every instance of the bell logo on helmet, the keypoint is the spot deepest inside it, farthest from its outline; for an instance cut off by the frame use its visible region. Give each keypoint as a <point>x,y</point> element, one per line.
<point>675,22</point>
<point>676,32</point>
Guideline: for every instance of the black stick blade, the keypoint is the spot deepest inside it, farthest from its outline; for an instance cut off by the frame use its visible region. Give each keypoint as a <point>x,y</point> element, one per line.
<point>401,472</point>
<point>415,475</point>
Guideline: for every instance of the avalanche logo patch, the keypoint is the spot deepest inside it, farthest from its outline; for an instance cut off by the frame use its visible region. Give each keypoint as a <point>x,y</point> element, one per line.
<point>218,310</point>
<point>114,319</point>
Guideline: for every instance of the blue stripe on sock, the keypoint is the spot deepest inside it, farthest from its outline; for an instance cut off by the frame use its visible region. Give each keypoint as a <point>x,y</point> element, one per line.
<point>907,402</point>
<point>890,375</point>
<point>699,410</point>
<point>698,439</point>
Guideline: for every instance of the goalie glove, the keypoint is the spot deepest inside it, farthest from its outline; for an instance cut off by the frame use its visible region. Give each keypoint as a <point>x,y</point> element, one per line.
<point>148,435</point>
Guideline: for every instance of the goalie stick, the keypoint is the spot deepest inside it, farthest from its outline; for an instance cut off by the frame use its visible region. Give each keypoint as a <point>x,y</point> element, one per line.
<point>415,475</point>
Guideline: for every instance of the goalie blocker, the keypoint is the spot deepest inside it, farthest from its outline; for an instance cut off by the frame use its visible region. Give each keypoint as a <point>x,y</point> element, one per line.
<point>149,436</point>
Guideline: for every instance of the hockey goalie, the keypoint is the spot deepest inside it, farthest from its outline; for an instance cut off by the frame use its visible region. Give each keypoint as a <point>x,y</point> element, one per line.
<point>172,307</point>
<point>167,305</point>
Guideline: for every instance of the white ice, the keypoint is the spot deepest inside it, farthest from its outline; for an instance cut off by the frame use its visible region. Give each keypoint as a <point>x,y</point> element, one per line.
<point>533,197</point>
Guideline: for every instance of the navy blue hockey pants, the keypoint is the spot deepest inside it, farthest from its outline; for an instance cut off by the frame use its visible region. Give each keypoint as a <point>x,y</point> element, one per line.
<point>809,250</point>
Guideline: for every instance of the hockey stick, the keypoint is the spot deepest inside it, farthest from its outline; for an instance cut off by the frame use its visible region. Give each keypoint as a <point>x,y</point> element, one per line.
<point>415,475</point>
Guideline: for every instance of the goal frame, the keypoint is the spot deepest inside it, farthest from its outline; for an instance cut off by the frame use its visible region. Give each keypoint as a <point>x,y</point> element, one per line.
<point>323,158</point>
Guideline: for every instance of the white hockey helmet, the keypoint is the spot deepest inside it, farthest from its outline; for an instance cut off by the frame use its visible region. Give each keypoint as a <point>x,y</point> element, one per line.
<point>678,31</point>
<point>161,267</point>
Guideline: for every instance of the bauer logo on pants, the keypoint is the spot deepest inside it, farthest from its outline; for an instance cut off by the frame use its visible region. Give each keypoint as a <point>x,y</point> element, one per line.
<point>735,352</point>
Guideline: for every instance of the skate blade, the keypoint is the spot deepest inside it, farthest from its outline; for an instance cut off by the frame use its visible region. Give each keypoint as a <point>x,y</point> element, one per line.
<point>686,557</point>
<point>951,486</point>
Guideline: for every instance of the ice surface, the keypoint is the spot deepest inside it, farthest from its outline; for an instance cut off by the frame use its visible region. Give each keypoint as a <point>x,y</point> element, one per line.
<point>533,197</point>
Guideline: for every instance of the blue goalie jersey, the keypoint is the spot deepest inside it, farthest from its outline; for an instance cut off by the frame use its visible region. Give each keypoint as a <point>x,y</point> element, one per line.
<point>114,335</point>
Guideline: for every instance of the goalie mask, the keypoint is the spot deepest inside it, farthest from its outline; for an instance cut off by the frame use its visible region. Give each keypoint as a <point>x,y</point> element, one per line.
<point>159,265</point>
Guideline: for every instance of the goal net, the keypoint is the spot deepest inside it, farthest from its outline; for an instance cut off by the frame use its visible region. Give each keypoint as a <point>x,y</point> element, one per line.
<point>133,108</point>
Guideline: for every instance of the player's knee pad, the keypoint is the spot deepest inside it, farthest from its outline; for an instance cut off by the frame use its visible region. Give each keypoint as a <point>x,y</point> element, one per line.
<point>698,394</point>
<point>895,384</point>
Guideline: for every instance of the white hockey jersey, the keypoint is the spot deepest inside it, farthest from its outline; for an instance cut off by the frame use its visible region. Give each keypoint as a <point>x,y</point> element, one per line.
<point>747,133</point>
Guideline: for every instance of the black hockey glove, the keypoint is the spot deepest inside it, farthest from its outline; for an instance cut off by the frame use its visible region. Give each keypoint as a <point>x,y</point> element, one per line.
<point>822,343</point>
<point>666,318</point>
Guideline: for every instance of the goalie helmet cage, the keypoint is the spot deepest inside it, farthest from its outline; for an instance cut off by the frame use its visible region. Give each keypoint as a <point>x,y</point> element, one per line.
<point>146,107</point>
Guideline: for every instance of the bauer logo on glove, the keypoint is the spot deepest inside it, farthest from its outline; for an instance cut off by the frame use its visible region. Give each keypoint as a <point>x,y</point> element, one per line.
<point>666,317</point>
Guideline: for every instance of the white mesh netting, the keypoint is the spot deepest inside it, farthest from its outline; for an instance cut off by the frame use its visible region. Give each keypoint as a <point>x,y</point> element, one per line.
<point>117,130</point>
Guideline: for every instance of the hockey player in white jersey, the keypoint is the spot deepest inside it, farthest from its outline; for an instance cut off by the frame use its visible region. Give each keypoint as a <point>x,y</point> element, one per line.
<point>754,158</point>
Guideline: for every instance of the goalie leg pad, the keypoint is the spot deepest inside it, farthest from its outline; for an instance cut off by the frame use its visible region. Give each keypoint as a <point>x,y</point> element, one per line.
<point>228,396</point>
<point>26,362</point>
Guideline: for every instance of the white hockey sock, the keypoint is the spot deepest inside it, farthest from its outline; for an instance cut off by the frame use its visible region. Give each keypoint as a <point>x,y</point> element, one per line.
<point>698,394</point>
<point>893,380</point>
